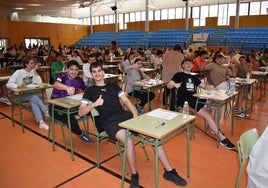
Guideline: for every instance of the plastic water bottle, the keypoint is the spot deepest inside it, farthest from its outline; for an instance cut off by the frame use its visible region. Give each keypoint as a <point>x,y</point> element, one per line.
<point>248,77</point>
<point>185,109</point>
<point>157,77</point>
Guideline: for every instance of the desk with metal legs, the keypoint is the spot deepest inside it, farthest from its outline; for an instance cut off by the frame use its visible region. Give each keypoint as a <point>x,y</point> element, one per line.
<point>16,95</point>
<point>148,86</point>
<point>155,128</point>
<point>261,76</point>
<point>242,81</point>
<point>68,106</point>
<point>217,98</point>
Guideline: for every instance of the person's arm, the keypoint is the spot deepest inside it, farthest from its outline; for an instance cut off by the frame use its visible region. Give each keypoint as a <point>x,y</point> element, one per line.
<point>60,86</point>
<point>171,84</point>
<point>86,71</point>
<point>86,106</point>
<point>12,82</point>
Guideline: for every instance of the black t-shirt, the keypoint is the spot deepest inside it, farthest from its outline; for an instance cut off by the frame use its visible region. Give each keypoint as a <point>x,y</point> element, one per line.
<point>186,91</point>
<point>110,94</point>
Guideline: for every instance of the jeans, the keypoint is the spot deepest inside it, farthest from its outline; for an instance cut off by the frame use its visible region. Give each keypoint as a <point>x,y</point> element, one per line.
<point>38,107</point>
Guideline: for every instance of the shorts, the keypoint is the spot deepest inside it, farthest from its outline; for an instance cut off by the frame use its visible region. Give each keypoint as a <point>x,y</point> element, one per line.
<point>110,125</point>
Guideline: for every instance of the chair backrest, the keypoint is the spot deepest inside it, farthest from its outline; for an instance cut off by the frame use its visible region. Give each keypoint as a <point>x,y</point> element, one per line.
<point>245,143</point>
<point>49,93</point>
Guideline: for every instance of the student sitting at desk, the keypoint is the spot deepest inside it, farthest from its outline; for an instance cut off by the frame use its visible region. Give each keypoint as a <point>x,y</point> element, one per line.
<point>107,100</point>
<point>57,65</point>
<point>135,74</point>
<point>87,77</point>
<point>186,85</point>
<point>23,77</point>
<point>69,83</point>
<point>240,70</point>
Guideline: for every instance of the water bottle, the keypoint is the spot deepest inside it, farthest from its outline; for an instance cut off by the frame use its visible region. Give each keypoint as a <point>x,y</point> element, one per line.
<point>185,110</point>
<point>157,78</point>
<point>248,77</point>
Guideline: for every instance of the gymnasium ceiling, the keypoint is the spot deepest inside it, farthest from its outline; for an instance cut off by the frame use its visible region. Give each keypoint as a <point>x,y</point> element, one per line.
<point>80,9</point>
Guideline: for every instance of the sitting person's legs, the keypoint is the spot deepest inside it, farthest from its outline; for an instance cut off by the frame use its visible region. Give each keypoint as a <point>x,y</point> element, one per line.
<point>213,126</point>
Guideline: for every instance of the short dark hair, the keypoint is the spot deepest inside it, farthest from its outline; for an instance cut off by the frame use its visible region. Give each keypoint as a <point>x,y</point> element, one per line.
<point>26,60</point>
<point>219,55</point>
<point>177,47</point>
<point>95,65</point>
<point>137,59</point>
<point>187,59</point>
<point>72,63</point>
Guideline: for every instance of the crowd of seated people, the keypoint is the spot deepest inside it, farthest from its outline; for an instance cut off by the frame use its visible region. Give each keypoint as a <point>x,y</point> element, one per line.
<point>172,64</point>
<point>160,59</point>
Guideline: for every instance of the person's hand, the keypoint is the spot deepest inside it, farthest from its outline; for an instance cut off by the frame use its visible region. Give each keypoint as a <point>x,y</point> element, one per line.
<point>177,85</point>
<point>99,101</point>
<point>22,84</point>
<point>37,66</point>
<point>70,90</point>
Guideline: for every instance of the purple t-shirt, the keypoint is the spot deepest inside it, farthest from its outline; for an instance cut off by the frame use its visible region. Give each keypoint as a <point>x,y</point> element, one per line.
<point>63,78</point>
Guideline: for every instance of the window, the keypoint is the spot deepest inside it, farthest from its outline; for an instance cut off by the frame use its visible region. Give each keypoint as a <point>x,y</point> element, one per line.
<point>101,20</point>
<point>179,13</point>
<point>172,13</point>
<point>132,17</point>
<point>222,17</point>
<point>138,16</point>
<point>213,10</point>
<point>126,18</point>
<point>143,16</point>
<point>37,41</point>
<point>254,8</point>
<point>243,10</point>
<point>157,15</point>
<point>264,7</point>
<point>164,14</point>
<point>196,16</point>
<point>4,43</point>
<point>203,15</point>
<point>151,15</point>
<point>111,18</point>
<point>106,19</point>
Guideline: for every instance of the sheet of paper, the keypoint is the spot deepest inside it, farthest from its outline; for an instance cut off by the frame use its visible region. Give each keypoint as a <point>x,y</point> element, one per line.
<point>162,114</point>
<point>76,97</point>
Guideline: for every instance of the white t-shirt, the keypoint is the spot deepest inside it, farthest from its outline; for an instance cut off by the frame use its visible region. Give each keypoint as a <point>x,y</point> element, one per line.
<point>23,75</point>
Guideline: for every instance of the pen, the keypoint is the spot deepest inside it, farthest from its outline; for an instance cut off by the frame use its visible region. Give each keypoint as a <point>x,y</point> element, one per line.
<point>160,124</point>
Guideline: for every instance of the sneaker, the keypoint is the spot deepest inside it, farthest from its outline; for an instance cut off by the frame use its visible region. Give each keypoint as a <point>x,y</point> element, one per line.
<point>43,125</point>
<point>5,100</point>
<point>227,144</point>
<point>47,114</point>
<point>174,177</point>
<point>246,113</point>
<point>84,137</point>
<point>235,109</point>
<point>242,115</point>
<point>249,97</point>
<point>135,181</point>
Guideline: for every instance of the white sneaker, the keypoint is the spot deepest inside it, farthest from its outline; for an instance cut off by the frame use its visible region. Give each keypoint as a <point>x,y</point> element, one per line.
<point>5,100</point>
<point>249,97</point>
<point>43,125</point>
<point>47,114</point>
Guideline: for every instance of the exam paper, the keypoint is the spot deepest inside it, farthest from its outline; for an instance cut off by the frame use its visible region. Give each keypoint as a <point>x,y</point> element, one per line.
<point>76,97</point>
<point>162,114</point>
